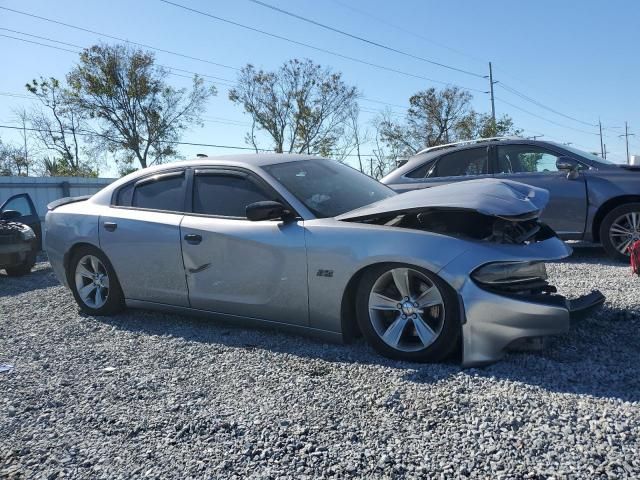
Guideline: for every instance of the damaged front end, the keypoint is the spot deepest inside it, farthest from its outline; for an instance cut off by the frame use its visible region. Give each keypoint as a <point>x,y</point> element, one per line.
<point>501,279</point>
<point>499,211</point>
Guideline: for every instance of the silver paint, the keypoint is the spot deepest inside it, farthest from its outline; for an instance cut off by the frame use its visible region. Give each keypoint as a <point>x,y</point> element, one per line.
<point>266,272</point>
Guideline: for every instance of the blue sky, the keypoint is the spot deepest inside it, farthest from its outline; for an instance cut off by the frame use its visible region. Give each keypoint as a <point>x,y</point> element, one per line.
<point>578,58</point>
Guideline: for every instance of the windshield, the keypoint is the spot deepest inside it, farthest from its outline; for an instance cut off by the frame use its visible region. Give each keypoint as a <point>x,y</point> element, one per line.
<point>586,155</point>
<point>328,188</point>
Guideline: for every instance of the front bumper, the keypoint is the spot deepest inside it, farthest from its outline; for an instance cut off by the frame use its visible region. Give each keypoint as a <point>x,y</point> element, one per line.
<point>13,255</point>
<point>493,322</point>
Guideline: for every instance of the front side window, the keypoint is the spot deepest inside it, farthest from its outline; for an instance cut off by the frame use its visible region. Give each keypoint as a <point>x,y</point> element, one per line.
<point>328,188</point>
<point>473,161</point>
<point>525,159</point>
<point>20,204</point>
<point>160,193</point>
<point>225,195</point>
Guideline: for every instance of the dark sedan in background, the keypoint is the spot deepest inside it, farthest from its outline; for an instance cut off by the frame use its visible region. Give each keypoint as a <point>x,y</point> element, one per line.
<point>592,199</point>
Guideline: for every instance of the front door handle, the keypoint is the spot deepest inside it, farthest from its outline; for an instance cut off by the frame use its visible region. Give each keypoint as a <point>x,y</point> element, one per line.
<point>110,226</point>
<point>193,238</point>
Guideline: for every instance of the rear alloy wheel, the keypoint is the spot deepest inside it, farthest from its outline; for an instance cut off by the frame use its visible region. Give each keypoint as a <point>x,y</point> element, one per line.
<point>94,283</point>
<point>620,229</point>
<point>408,313</point>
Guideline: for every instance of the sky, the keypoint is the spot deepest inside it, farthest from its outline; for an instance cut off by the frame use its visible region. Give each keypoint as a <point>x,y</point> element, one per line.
<point>560,65</point>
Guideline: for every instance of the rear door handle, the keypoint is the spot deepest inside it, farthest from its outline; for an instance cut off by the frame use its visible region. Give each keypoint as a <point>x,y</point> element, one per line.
<point>193,238</point>
<point>110,226</point>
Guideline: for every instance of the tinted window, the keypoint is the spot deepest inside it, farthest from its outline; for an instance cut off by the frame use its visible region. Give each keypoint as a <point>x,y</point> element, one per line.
<point>420,172</point>
<point>465,162</point>
<point>125,194</point>
<point>225,195</point>
<point>328,188</point>
<point>525,159</point>
<point>162,194</point>
<point>19,204</point>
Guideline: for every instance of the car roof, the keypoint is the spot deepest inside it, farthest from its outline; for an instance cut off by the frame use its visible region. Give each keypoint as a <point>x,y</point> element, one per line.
<point>247,159</point>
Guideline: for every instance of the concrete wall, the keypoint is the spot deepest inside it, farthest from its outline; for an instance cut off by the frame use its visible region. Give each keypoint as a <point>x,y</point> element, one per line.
<point>44,190</point>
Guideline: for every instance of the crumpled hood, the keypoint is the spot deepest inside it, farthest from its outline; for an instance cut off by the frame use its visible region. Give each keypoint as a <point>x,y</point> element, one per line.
<point>489,196</point>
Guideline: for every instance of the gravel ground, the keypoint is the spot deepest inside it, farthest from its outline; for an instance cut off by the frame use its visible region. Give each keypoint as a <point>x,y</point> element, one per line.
<point>155,395</point>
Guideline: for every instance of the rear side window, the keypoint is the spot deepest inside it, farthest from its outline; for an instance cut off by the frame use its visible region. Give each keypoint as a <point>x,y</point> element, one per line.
<point>163,193</point>
<point>225,195</point>
<point>473,161</point>
<point>125,194</point>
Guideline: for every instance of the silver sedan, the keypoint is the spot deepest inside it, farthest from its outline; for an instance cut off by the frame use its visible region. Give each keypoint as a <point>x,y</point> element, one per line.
<point>312,245</point>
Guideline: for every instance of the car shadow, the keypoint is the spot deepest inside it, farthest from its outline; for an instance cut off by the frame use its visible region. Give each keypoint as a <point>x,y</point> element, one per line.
<point>41,276</point>
<point>598,357</point>
<point>595,358</point>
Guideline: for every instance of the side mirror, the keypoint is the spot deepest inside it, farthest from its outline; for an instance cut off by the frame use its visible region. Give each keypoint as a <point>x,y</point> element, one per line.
<point>9,215</point>
<point>569,165</point>
<point>566,164</point>
<point>267,210</point>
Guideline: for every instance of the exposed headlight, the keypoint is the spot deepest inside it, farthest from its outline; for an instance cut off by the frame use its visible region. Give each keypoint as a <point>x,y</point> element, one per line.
<point>501,273</point>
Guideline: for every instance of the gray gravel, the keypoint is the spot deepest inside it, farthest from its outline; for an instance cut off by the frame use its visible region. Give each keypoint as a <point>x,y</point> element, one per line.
<point>153,395</point>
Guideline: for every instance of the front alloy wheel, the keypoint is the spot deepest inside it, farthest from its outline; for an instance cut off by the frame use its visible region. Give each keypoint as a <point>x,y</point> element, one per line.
<point>624,231</point>
<point>620,229</point>
<point>410,314</point>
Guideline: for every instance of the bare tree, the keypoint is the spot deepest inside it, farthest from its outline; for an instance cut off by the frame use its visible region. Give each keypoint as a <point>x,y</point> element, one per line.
<point>58,124</point>
<point>302,107</point>
<point>25,149</point>
<point>12,161</point>
<point>436,117</point>
<point>139,115</point>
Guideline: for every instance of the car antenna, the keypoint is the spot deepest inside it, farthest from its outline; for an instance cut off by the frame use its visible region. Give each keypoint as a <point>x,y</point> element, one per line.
<point>202,155</point>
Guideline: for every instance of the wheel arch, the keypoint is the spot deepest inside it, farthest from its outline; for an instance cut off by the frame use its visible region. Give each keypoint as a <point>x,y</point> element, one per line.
<point>605,208</point>
<point>69,255</point>
<point>349,324</point>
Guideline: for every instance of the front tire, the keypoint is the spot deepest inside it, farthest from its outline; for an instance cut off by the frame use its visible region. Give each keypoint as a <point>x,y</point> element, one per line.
<point>408,313</point>
<point>619,229</point>
<point>24,268</point>
<point>93,282</point>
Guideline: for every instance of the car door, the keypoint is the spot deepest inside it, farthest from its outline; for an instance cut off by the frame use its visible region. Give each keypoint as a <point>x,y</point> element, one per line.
<point>566,211</point>
<point>140,235</point>
<point>28,214</point>
<point>466,164</point>
<point>240,267</point>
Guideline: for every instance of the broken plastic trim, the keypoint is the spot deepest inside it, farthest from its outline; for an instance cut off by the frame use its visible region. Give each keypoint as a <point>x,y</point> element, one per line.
<point>465,223</point>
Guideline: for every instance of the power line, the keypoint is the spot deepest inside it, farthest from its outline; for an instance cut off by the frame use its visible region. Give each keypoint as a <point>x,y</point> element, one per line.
<point>221,79</point>
<point>119,38</point>
<point>313,47</point>
<point>410,32</point>
<point>535,102</point>
<point>194,144</point>
<point>362,39</point>
<point>77,52</point>
<point>545,119</point>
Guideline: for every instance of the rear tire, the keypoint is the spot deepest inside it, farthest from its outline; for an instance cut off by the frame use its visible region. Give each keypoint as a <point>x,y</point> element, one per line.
<point>408,313</point>
<point>24,268</point>
<point>619,229</point>
<point>94,283</point>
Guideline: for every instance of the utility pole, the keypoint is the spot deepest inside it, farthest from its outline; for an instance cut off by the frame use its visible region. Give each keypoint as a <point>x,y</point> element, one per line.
<point>601,141</point>
<point>493,103</point>
<point>626,136</point>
